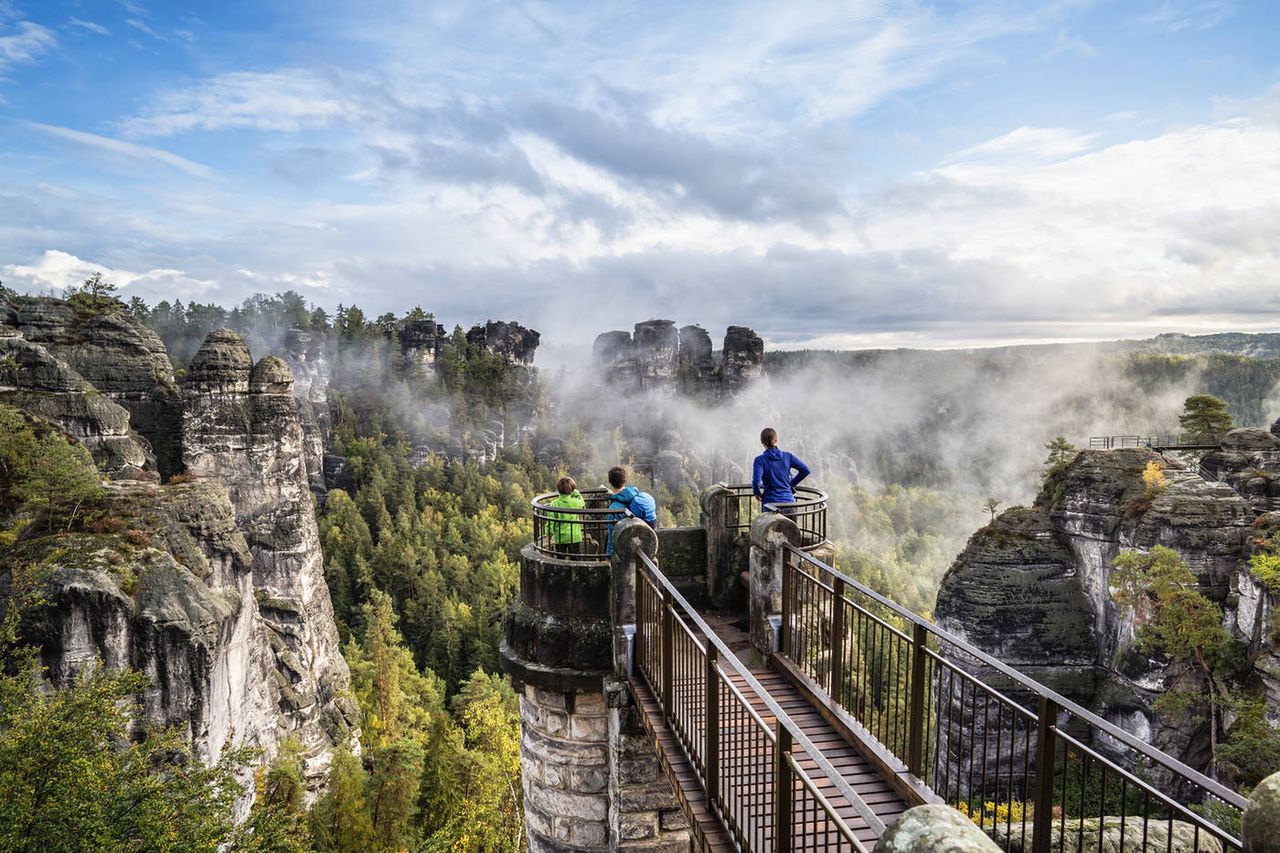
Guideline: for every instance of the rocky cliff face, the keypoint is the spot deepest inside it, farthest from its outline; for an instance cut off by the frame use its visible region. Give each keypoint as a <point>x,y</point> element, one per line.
<point>657,357</point>
<point>214,588</point>
<point>122,359</point>
<point>32,379</point>
<point>305,354</point>
<point>1033,587</point>
<point>515,343</point>
<point>240,427</point>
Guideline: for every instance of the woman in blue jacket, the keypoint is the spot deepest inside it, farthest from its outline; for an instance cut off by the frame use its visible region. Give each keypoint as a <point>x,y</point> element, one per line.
<point>771,478</point>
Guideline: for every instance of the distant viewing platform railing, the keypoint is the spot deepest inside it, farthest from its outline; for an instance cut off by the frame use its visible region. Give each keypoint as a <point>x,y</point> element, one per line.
<point>581,535</point>
<point>1035,770</point>
<point>1156,442</point>
<point>808,511</point>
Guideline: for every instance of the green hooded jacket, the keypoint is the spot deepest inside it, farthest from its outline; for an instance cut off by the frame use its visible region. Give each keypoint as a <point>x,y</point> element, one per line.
<point>565,528</point>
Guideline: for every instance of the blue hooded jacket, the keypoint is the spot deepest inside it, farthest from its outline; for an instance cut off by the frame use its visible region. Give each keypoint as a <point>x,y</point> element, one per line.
<point>771,477</point>
<point>640,503</point>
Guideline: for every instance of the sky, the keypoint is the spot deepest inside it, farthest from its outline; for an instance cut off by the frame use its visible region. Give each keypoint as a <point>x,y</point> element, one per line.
<point>856,174</point>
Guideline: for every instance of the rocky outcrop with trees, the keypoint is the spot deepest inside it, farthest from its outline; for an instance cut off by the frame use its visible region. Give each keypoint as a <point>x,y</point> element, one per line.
<point>660,358</point>
<point>199,564</point>
<point>1132,586</point>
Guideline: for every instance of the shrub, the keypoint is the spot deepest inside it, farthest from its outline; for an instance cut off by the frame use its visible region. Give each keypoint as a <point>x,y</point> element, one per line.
<point>1265,569</point>
<point>137,538</point>
<point>1153,477</point>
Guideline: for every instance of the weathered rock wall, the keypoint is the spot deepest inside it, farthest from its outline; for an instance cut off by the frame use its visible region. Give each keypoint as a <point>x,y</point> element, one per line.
<point>119,357</point>
<point>212,588</point>
<point>241,429</point>
<point>656,357</point>
<point>1033,588</point>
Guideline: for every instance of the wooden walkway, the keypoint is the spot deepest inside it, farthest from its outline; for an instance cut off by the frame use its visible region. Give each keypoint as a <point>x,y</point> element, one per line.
<point>709,829</point>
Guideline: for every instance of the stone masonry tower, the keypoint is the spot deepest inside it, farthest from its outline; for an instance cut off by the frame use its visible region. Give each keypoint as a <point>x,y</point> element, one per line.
<point>592,781</point>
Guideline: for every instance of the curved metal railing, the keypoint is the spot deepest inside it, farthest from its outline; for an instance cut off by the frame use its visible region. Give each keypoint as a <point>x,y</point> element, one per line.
<point>577,535</point>
<point>1021,773</point>
<point>808,511</point>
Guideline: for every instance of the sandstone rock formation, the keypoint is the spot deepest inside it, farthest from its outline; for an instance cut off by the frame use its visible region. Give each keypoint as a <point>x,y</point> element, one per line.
<point>743,357</point>
<point>120,357</point>
<point>659,358</point>
<point>1033,587</point>
<point>934,829</point>
<point>241,429</point>
<point>309,363</point>
<point>420,341</point>
<point>1249,462</point>
<point>35,380</point>
<point>213,588</point>
<point>515,343</point>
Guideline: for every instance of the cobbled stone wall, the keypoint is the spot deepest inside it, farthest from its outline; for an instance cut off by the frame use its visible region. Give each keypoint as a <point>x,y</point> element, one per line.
<point>592,780</point>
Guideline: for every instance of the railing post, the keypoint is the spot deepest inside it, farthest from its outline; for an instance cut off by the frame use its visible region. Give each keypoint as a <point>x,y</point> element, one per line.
<point>638,647</point>
<point>782,790</point>
<point>668,641</point>
<point>711,738</point>
<point>836,670</point>
<point>784,642</point>
<point>1046,755</point>
<point>916,723</point>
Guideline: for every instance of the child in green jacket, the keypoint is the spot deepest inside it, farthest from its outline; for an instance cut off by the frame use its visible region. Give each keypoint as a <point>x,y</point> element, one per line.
<point>565,528</point>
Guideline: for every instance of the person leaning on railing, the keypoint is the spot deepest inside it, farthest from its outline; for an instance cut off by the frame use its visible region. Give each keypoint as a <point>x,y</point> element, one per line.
<point>564,529</point>
<point>624,499</point>
<point>771,478</point>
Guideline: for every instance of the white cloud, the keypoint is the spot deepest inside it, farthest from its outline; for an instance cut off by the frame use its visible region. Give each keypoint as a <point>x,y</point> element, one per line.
<point>29,42</point>
<point>1176,15</point>
<point>91,26</point>
<point>284,101</point>
<point>144,27</point>
<point>1025,145</point>
<point>121,150</point>
<point>56,270</point>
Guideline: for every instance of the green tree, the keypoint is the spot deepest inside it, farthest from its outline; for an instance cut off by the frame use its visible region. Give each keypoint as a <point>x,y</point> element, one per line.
<point>43,469</point>
<point>340,819</point>
<point>1205,415</point>
<point>991,506</point>
<point>1174,619</point>
<point>95,295</point>
<point>1060,451</point>
<point>72,780</point>
<point>59,479</point>
<point>278,821</point>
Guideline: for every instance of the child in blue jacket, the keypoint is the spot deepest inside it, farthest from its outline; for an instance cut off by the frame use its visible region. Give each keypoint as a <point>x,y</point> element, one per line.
<point>624,497</point>
<point>771,478</point>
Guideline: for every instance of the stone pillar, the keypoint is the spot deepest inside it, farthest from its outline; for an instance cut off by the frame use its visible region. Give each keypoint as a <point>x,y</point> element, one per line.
<point>769,532</point>
<point>557,652</point>
<point>726,557</point>
<point>592,781</point>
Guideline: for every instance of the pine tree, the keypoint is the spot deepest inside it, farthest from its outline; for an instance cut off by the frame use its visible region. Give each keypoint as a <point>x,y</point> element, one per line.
<point>1205,415</point>
<point>278,821</point>
<point>340,820</point>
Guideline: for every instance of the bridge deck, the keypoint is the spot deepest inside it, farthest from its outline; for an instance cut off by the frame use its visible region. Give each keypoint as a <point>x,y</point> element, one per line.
<point>711,833</point>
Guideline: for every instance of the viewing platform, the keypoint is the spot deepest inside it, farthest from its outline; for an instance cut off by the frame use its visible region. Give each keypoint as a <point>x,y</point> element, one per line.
<point>1158,443</point>
<point>790,707</point>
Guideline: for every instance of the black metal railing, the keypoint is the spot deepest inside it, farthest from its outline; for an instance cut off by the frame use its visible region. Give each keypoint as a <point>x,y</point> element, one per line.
<point>568,533</point>
<point>769,784</point>
<point>808,511</point>
<point>1156,442</point>
<point>1037,775</point>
